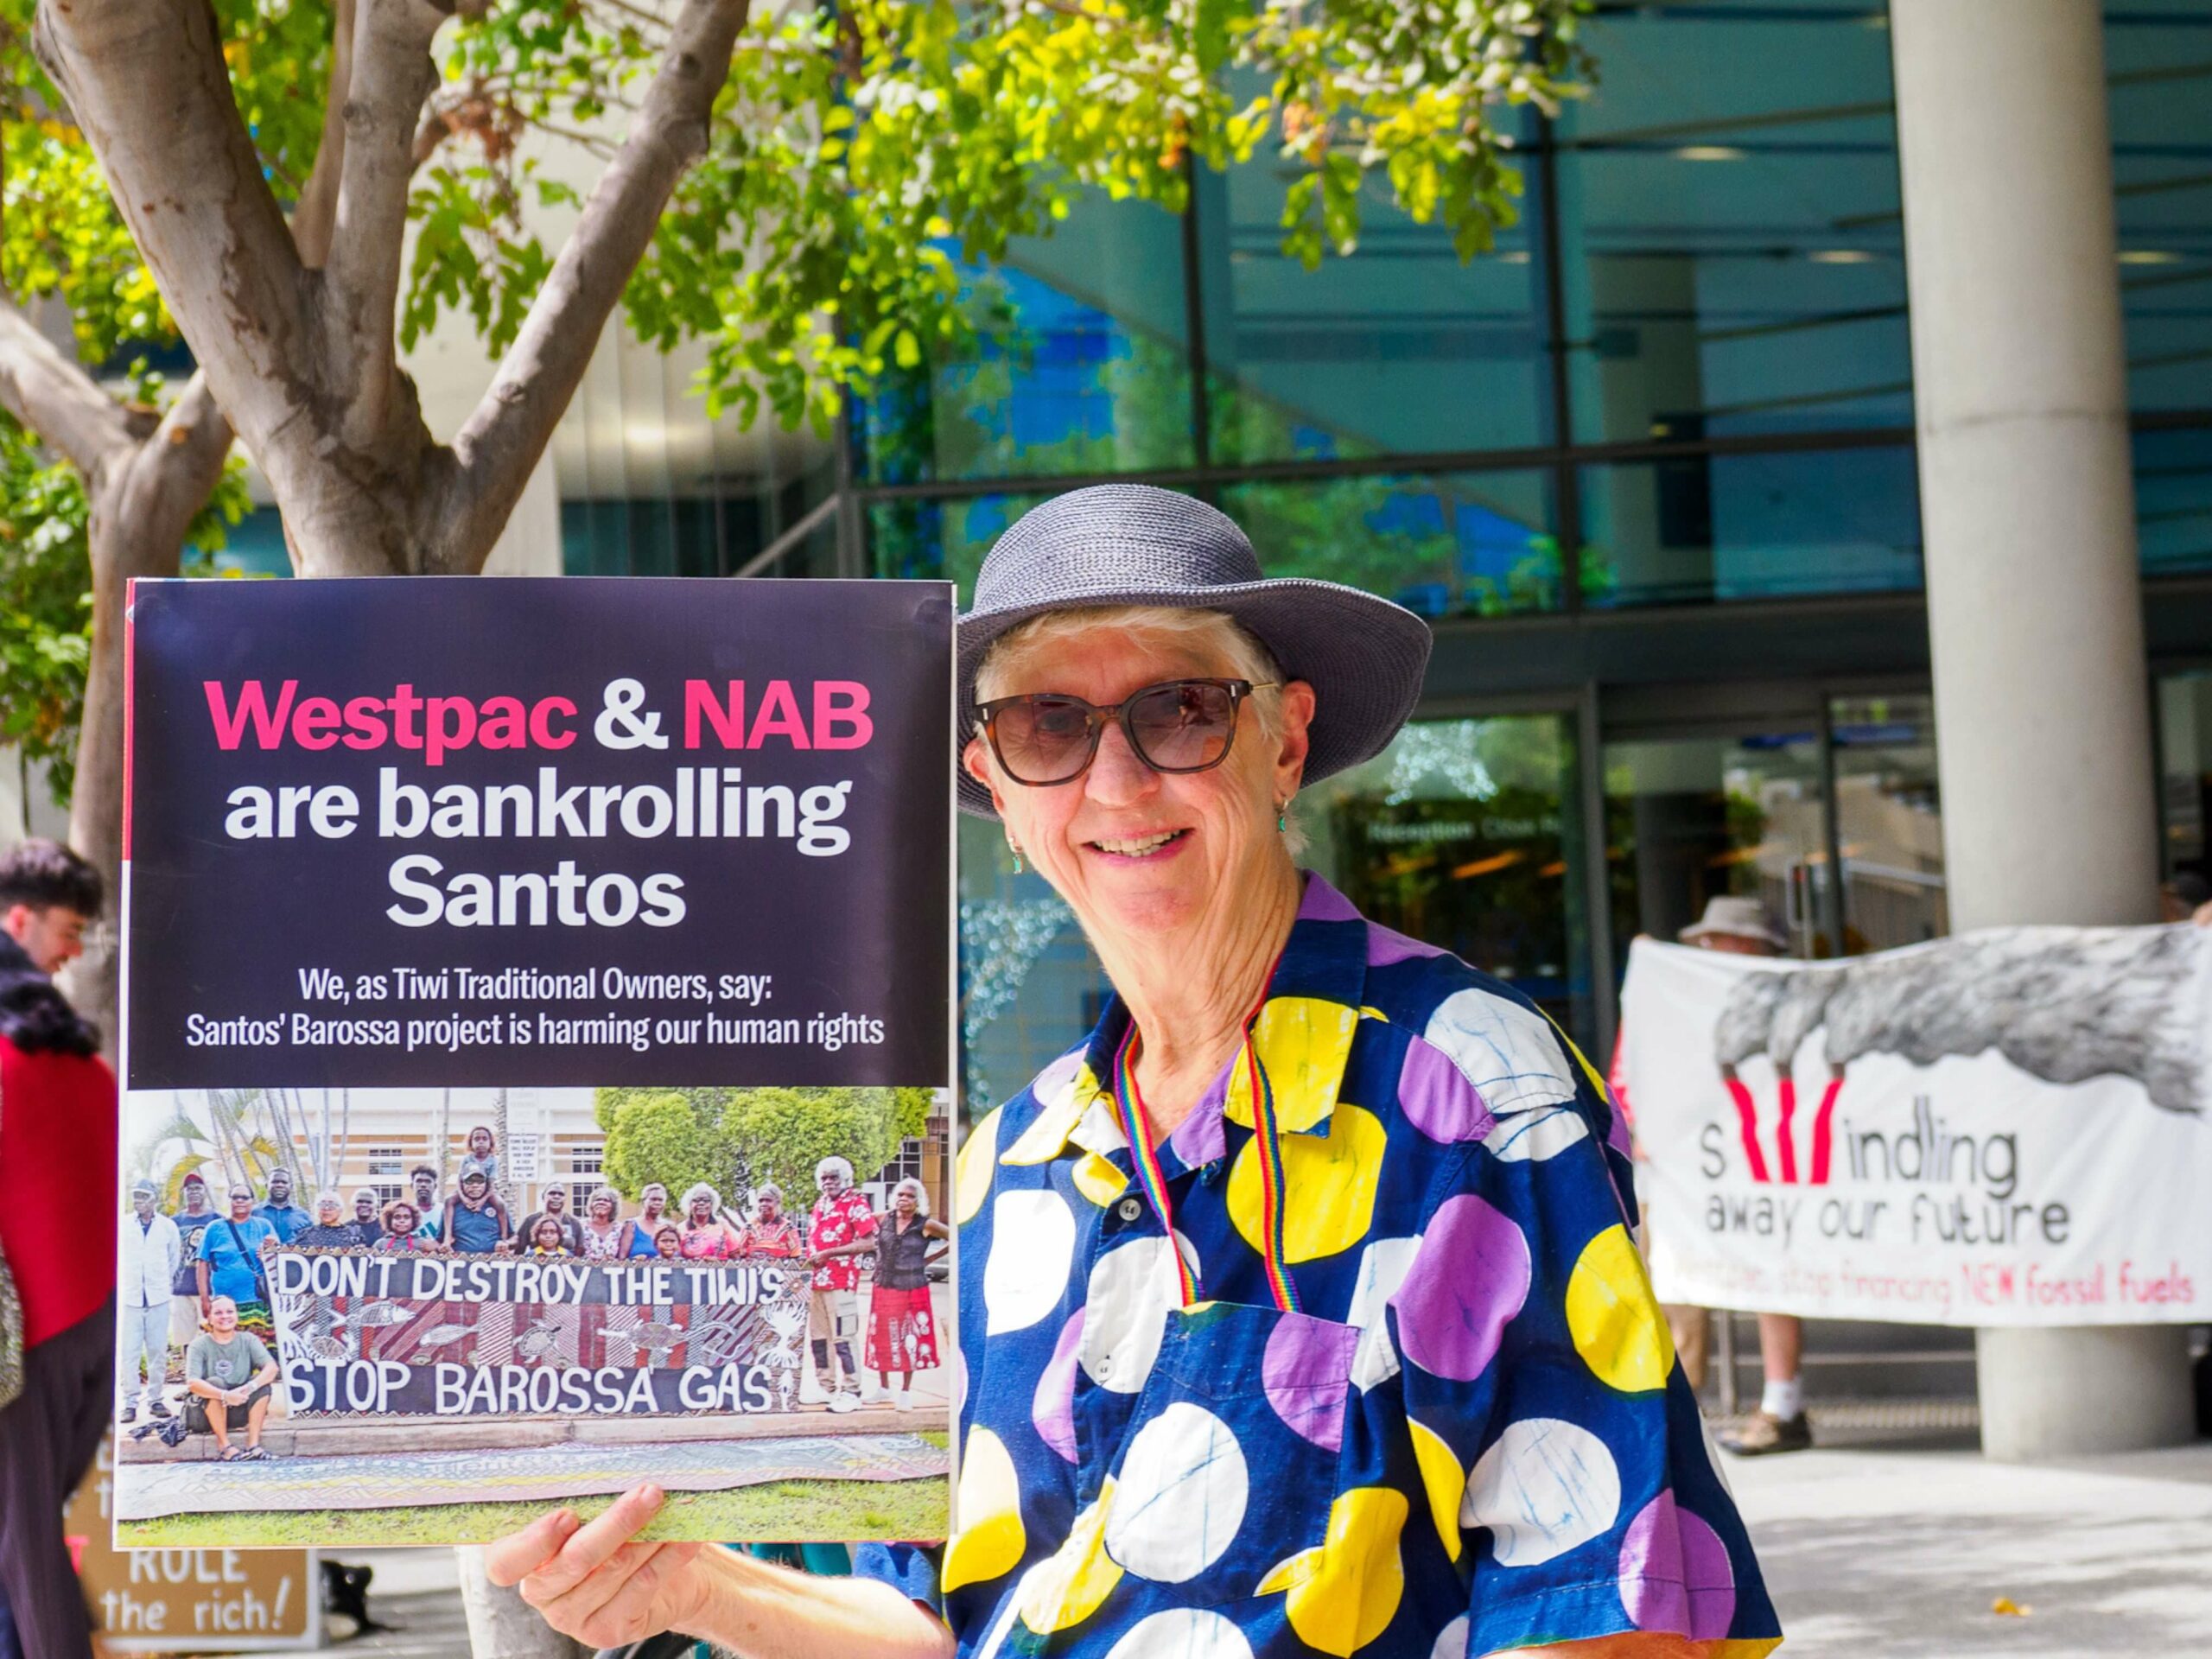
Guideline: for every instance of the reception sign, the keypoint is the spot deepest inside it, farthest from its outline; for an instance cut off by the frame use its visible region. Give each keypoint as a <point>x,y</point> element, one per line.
<point>676,853</point>
<point>2010,1127</point>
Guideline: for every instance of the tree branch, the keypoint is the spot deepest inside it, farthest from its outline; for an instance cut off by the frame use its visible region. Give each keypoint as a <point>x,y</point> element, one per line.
<point>146,82</point>
<point>316,211</point>
<point>391,77</point>
<point>177,469</point>
<point>499,444</point>
<point>55,398</point>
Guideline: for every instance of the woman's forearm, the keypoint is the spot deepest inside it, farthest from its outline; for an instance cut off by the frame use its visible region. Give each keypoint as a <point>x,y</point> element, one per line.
<point>766,1611</point>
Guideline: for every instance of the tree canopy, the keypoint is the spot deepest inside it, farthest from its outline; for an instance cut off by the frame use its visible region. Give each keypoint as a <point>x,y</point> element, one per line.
<point>737,1139</point>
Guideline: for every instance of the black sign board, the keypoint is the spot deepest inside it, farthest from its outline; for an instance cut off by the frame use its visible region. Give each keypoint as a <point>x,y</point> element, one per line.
<point>430,832</point>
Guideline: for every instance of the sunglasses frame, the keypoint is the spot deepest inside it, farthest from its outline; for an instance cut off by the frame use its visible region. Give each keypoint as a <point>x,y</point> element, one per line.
<point>1118,714</point>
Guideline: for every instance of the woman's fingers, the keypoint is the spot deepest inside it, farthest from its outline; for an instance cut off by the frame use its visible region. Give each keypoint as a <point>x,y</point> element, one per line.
<point>627,1597</point>
<point>592,1545</point>
<point>519,1555</point>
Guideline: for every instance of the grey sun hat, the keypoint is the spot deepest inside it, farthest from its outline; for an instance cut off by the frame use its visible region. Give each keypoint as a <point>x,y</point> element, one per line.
<point>1135,544</point>
<point>1735,919</point>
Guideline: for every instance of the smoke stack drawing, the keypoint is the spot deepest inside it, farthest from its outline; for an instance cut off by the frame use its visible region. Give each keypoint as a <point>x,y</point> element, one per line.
<point>2063,1004</point>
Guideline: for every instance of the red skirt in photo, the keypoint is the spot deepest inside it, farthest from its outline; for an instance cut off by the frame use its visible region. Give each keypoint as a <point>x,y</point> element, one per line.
<point>901,1330</point>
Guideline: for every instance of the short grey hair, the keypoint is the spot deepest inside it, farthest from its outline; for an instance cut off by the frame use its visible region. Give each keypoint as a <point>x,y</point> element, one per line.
<point>768,1190</point>
<point>913,1184</point>
<point>329,1196</point>
<point>833,1162</point>
<point>699,1190</point>
<point>606,1192</point>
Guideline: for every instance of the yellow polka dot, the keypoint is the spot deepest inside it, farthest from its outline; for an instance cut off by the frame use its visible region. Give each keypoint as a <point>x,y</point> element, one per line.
<point>1342,1594</point>
<point>1613,1317</point>
<point>1066,1587</point>
<point>1304,1042</point>
<point>1331,1181</point>
<point>1369,1011</point>
<point>1055,1122</point>
<point>971,1182</point>
<point>1445,1482</point>
<point>990,1539</point>
<point>1098,1180</point>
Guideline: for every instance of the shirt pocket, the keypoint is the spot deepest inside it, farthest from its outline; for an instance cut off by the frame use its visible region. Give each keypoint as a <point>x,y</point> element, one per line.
<point>1232,1456</point>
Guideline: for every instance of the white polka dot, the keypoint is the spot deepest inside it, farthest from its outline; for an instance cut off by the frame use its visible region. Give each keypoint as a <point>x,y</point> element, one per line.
<point>1526,1137</point>
<point>1033,1242</point>
<point>1452,1641</point>
<point>1545,1487</point>
<point>1180,1497</point>
<point>1182,1633</point>
<point>1125,1312</point>
<point>1382,1268</point>
<point>1508,1053</point>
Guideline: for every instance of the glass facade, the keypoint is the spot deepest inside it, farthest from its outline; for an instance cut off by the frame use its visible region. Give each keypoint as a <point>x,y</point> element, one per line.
<point>1648,464</point>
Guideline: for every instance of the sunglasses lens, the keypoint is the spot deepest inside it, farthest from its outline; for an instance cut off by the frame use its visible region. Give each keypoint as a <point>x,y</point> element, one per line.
<point>1183,727</point>
<point>1043,738</point>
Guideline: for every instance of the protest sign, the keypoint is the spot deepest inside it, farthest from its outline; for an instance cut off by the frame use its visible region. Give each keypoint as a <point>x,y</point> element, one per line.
<point>188,1600</point>
<point>2008,1127</point>
<point>436,891</point>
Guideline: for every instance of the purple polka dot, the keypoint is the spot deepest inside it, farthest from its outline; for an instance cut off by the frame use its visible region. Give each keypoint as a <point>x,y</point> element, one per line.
<point>1307,1372</point>
<point>1053,1409</point>
<point>1385,947</point>
<point>1675,1573</point>
<point>1437,1098</point>
<point>1323,902</point>
<point>1469,1278</point>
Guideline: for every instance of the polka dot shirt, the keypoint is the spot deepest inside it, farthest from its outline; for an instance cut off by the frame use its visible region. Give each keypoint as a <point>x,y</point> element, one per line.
<point>1473,1437</point>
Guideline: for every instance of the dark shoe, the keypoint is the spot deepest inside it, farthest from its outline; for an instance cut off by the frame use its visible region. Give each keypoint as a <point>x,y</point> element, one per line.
<point>158,1409</point>
<point>130,1416</point>
<point>1765,1432</point>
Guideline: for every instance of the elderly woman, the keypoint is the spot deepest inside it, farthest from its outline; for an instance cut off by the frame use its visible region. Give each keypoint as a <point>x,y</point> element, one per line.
<point>706,1236</point>
<point>330,1230</point>
<point>1302,1315</point>
<point>771,1232</point>
<point>602,1231</point>
<point>640,1232</point>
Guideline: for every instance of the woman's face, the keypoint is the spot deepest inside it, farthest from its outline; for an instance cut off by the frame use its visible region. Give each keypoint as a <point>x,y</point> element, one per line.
<point>327,1212</point>
<point>903,1202</point>
<point>602,1210</point>
<point>770,1207</point>
<point>241,1203</point>
<point>404,1219</point>
<point>656,1198</point>
<point>479,1142</point>
<point>223,1315</point>
<point>668,1243</point>
<point>703,1211</point>
<point>1137,852</point>
<point>547,1236</point>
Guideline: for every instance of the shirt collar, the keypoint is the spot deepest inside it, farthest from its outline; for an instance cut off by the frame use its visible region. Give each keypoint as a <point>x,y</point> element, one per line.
<point>1303,1037</point>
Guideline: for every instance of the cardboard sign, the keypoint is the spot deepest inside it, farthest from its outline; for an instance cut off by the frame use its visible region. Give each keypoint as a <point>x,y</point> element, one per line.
<point>682,847</point>
<point>188,1600</point>
<point>2007,1127</point>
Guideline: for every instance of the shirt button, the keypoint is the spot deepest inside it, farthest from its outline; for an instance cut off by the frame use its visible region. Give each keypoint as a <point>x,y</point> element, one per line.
<point>1130,1209</point>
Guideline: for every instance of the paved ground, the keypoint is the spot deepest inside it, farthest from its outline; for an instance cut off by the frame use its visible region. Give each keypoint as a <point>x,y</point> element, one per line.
<point>1886,1540</point>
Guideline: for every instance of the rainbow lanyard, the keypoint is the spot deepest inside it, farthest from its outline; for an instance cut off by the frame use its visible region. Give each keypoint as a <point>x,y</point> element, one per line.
<point>1145,1157</point>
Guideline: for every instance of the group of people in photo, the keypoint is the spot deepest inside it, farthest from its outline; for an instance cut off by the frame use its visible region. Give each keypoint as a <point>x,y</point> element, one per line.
<point>195,1284</point>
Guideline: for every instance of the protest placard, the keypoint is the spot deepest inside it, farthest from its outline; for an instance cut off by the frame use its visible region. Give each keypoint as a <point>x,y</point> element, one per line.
<point>2008,1127</point>
<point>537,975</point>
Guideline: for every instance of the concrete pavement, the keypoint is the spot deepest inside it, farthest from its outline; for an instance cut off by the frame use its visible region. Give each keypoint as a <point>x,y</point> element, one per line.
<point>1882,1541</point>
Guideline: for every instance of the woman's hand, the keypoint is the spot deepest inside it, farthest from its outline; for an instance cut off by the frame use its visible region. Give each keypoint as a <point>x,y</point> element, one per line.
<point>599,1584</point>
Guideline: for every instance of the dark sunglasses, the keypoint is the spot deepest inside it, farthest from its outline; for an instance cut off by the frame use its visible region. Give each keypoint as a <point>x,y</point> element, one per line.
<point>1044,738</point>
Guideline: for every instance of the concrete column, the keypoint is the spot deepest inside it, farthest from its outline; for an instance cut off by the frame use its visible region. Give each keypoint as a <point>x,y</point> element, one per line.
<point>2035,618</point>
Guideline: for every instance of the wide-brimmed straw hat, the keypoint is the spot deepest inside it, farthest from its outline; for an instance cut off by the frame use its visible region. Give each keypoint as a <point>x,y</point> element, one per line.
<point>1135,544</point>
<point>1735,919</point>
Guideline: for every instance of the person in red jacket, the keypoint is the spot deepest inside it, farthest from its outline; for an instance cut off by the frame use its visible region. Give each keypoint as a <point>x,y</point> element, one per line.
<point>57,1167</point>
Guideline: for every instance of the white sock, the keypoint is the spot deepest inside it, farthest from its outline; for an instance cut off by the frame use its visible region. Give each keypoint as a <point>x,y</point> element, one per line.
<point>1783,1400</point>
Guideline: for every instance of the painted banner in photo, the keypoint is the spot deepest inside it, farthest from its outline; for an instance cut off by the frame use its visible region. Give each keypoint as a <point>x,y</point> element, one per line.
<point>416,831</point>
<point>359,1334</point>
<point>2008,1127</point>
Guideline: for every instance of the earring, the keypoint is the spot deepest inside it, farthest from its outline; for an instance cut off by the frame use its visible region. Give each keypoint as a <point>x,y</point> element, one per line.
<point>1282,818</point>
<point>1015,849</point>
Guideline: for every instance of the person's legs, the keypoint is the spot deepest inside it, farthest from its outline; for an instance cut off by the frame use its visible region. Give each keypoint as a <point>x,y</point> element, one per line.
<point>41,1438</point>
<point>819,1322</point>
<point>145,1341</point>
<point>845,1326</point>
<point>257,1413</point>
<point>218,1424</point>
<point>1690,1328</point>
<point>1779,1424</point>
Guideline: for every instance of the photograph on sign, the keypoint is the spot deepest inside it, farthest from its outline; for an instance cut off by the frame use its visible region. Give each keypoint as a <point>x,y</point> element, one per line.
<point>513,1127</point>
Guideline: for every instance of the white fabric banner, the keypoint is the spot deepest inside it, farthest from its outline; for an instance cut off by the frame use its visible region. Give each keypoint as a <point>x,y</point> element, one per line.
<point>2007,1127</point>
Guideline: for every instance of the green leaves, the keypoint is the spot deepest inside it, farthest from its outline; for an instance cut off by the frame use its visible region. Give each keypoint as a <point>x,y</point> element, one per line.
<point>734,1137</point>
<point>46,614</point>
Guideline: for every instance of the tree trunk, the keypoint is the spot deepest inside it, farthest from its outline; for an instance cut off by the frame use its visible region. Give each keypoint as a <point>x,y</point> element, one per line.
<point>504,1188</point>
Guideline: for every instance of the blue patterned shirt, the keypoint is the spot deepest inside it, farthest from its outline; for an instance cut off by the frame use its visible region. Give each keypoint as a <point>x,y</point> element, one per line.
<point>1473,1438</point>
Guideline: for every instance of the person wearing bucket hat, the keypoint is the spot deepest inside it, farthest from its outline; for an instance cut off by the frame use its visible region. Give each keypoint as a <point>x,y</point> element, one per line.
<point>1299,1311</point>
